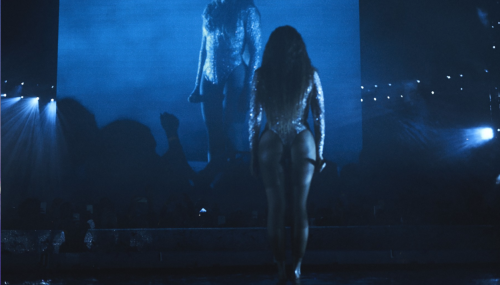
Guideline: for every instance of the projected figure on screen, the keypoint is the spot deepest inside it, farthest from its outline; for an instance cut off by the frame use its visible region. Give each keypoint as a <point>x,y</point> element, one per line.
<point>286,154</point>
<point>230,27</point>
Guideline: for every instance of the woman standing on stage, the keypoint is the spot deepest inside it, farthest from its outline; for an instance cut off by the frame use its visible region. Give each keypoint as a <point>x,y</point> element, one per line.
<point>231,29</point>
<point>287,153</point>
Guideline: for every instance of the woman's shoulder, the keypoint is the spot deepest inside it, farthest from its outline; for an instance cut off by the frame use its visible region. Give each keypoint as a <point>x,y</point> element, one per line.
<point>208,10</point>
<point>251,8</point>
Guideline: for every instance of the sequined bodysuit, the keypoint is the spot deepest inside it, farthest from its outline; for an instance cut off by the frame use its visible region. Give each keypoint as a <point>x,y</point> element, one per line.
<point>287,128</point>
<point>222,50</point>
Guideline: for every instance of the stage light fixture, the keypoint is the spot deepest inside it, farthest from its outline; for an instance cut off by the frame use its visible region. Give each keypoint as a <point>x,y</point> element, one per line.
<point>203,210</point>
<point>5,81</point>
<point>418,81</point>
<point>361,100</point>
<point>376,86</point>
<point>494,47</point>
<point>486,133</point>
<point>22,83</point>
<point>38,98</point>
<point>374,99</point>
<point>461,75</point>
<point>22,97</point>
<point>486,70</point>
<point>432,92</point>
<point>51,100</point>
<point>390,84</point>
<point>401,96</point>
<point>362,87</point>
<point>461,89</point>
<point>449,77</point>
<point>388,97</point>
<point>4,95</point>
<point>52,86</point>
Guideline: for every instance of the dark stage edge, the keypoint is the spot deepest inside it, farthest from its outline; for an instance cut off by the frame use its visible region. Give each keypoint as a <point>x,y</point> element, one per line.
<point>239,247</point>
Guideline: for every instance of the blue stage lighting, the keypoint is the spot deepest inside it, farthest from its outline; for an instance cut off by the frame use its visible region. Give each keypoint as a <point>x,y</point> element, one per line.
<point>4,95</point>
<point>486,133</point>
<point>477,136</point>
<point>449,77</point>
<point>203,210</point>
<point>418,81</point>
<point>51,100</point>
<point>22,83</point>
<point>461,75</point>
<point>22,97</point>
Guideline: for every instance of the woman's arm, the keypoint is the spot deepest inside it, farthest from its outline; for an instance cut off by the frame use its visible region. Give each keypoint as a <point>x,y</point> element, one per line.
<point>318,112</point>
<point>254,122</point>
<point>201,63</point>
<point>253,42</point>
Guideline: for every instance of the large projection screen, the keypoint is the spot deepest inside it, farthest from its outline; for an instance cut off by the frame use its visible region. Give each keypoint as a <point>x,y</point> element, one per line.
<point>136,59</point>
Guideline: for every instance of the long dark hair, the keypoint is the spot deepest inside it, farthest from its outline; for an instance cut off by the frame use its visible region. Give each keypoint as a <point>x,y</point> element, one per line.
<point>286,71</point>
<point>226,17</point>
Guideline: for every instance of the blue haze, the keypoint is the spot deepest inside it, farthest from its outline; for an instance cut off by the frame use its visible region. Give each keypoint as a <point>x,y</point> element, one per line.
<point>135,59</point>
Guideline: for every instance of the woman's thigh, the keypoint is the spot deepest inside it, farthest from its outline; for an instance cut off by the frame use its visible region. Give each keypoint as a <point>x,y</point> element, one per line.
<point>303,157</point>
<point>271,152</point>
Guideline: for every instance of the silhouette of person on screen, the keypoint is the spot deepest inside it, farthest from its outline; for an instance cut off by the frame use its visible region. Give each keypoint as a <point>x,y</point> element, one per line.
<point>286,154</point>
<point>231,32</point>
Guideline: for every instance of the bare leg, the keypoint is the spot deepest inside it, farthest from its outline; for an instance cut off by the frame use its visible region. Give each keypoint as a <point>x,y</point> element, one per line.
<point>212,112</point>
<point>272,173</point>
<point>234,117</point>
<point>303,155</point>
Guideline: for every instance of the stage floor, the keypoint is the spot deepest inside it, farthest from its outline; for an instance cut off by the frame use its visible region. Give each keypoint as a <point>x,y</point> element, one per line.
<point>485,275</point>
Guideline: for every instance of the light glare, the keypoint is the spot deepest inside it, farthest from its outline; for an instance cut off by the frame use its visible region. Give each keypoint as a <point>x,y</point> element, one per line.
<point>486,133</point>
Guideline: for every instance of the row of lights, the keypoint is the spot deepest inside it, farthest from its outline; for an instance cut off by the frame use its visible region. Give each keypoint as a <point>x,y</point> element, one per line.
<point>22,83</point>
<point>375,99</point>
<point>418,81</point>
<point>22,97</point>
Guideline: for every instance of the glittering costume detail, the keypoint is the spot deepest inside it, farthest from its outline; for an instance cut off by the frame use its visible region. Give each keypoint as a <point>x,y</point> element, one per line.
<point>222,48</point>
<point>287,128</point>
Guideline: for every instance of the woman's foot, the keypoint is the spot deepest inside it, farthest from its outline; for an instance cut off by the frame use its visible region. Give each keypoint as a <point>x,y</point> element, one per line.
<point>296,271</point>
<point>281,272</point>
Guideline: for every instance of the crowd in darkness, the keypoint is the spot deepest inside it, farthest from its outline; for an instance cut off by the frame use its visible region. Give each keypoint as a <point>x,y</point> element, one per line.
<point>113,178</point>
